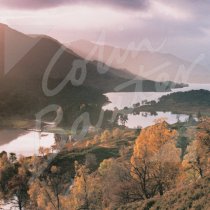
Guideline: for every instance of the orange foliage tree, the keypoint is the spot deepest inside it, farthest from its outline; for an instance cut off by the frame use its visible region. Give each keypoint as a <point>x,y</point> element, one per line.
<point>197,161</point>
<point>155,160</point>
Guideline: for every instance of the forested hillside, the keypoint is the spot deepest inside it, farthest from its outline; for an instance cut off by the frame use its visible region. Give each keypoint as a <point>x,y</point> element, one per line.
<point>115,169</point>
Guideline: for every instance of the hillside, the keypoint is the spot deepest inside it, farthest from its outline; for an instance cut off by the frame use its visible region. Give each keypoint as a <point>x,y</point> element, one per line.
<point>27,57</point>
<point>195,196</point>
<point>111,169</point>
<point>193,98</point>
<point>152,65</point>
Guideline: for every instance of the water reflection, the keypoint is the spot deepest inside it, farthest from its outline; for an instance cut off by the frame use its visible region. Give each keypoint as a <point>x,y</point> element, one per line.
<point>145,119</point>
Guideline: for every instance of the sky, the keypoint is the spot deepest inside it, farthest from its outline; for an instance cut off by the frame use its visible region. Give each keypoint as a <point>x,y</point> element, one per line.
<point>180,27</point>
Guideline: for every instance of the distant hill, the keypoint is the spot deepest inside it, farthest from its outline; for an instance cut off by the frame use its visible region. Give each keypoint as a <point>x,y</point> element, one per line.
<point>151,65</point>
<point>193,101</point>
<point>193,98</point>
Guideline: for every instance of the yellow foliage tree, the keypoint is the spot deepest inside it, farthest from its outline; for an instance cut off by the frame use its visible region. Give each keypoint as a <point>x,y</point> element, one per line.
<point>47,193</point>
<point>197,161</point>
<point>155,160</point>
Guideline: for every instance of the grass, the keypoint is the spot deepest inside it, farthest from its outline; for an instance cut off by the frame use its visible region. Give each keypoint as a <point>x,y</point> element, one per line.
<point>102,150</point>
<point>65,160</point>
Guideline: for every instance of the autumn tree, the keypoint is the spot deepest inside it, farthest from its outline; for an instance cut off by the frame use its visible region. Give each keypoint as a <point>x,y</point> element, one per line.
<point>155,160</point>
<point>116,133</point>
<point>7,171</point>
<point>80,188</point>
<point>106,136</point>
<point>197,162</point>
<point>47,191</point>
<point>14,178</point>
<point>18,187</point>
<point>116,183</point>
<point>44,151</point>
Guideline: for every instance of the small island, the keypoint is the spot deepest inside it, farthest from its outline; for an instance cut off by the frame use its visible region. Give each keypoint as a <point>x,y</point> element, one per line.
<point>189,102</point>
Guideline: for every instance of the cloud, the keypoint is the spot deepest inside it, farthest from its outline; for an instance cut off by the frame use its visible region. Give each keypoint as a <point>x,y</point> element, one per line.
<point>42,4</point>
<point>184,23</point>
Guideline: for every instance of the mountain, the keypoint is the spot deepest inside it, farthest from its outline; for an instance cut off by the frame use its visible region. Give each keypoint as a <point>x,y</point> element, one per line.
<point>27,57</point>
<point>24,61</point>
<point>151,65</point>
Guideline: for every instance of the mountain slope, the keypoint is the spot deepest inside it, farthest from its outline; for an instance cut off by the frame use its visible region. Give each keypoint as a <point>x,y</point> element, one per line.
<point>194,196</point>
<point>152,65</point>
<point>24,61</point>
<point>29,58</point>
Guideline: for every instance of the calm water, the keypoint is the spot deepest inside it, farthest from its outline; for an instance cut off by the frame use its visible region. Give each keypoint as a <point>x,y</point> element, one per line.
<point>145,119</point>
<point>28,143</point>
<point>121,100</point>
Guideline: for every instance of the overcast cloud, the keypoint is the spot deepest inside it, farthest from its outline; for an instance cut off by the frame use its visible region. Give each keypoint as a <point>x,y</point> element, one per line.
<point>185,24</point>
<point>40,4</point>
